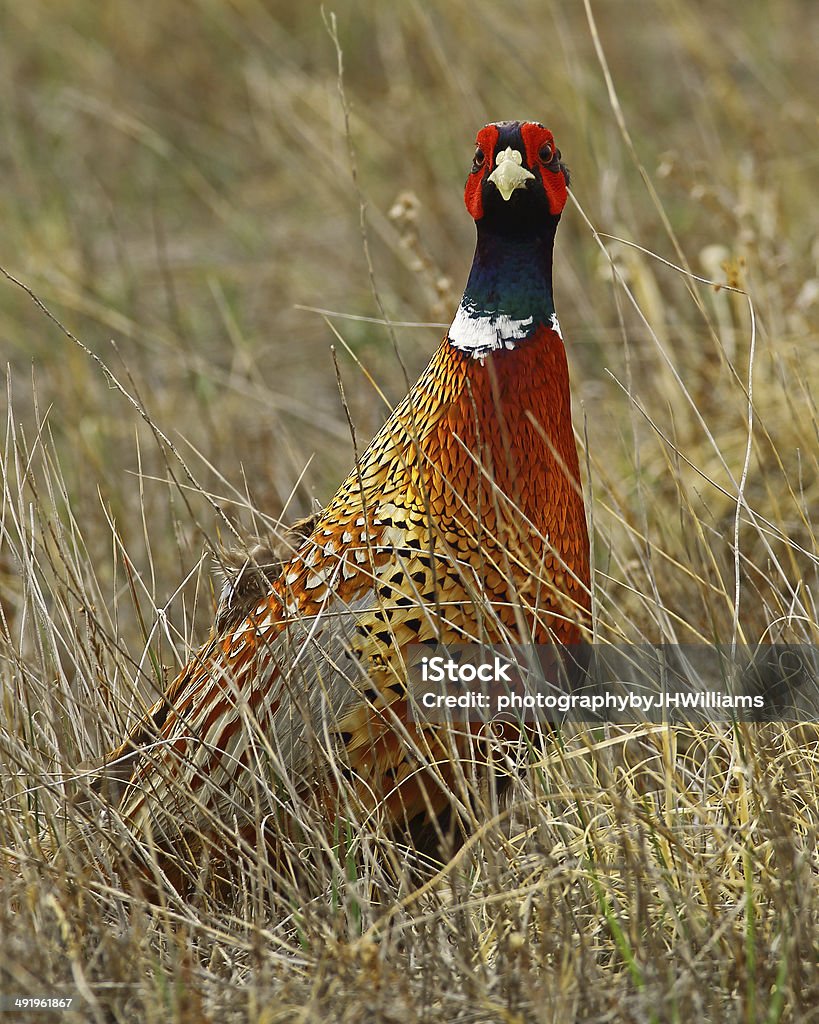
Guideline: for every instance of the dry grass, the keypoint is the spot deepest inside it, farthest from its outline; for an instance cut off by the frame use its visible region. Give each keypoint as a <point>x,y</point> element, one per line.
<point>176,189</point>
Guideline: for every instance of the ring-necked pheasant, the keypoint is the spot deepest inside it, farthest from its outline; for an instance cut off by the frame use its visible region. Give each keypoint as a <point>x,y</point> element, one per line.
<point>462,520</point>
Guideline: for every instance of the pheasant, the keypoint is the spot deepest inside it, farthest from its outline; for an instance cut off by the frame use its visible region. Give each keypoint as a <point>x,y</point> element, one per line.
<point>463,520</point>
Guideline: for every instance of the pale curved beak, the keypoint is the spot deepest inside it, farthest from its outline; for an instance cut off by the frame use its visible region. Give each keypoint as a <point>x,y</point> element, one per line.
<point>509,174</point>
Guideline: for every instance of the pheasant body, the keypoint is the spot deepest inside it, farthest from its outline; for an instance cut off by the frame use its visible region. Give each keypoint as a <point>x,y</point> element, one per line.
<point>462,521</point>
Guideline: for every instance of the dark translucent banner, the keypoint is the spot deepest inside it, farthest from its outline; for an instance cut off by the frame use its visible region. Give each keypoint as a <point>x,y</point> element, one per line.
<point>596,683</point>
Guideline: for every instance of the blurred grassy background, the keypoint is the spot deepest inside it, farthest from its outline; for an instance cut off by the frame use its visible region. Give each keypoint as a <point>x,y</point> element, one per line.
<point>176,180</point>
<point>179,182</point>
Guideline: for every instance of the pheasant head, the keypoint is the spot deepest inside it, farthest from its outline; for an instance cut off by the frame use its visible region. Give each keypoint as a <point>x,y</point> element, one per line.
<point>516,160</point>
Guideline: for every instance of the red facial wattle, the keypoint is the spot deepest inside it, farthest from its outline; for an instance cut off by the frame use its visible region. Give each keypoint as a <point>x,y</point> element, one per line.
<point>486,141</point>
<point>543,159</point>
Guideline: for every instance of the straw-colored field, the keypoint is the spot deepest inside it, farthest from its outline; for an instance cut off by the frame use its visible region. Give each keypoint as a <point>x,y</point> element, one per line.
<point>177,190</point>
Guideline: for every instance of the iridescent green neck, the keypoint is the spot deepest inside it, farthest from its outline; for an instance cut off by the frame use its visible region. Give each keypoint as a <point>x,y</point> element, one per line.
<point>508,296</point>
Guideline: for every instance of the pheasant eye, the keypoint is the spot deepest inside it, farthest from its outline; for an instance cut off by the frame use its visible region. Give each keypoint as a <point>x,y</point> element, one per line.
<point>545,153</point>
<point>478,159</point>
